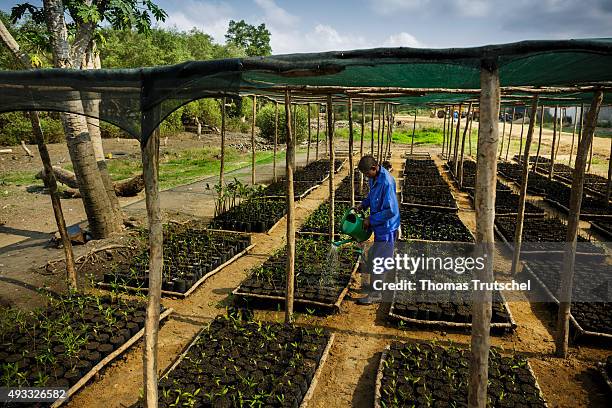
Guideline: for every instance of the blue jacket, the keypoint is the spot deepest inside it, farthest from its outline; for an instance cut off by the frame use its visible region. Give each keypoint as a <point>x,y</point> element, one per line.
<point>382,202</point>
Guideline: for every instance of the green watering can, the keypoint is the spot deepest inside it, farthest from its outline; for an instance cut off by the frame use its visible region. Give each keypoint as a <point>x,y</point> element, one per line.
<point>352,225</point>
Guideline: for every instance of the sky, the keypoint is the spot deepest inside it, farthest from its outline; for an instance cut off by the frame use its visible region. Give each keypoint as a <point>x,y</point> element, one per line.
<point>317,25</point>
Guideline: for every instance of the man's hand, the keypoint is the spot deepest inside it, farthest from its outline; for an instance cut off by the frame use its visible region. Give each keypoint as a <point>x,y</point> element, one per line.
<point>366,223</point>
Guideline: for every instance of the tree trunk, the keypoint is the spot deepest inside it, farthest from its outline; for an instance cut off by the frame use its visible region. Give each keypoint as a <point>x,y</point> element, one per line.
<point>486,177</point>
<point>573,219</point>
<point>253,140</point>
<point>521,137</point>
<point>150,165</point>
<point>330,133</point>
<point>535,162</point>
<point>276,140</point>
<point>289,160</point>
<point>467,119</point>
<point>510,133</point>
<point>351,164</point>
<point>551,171</point>
<point>518,233</point>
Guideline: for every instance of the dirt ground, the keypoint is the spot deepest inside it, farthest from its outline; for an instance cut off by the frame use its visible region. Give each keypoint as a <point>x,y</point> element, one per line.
<point>362,332</point>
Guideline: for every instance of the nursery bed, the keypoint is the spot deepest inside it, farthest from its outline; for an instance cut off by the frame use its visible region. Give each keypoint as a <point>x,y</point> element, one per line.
<point>425,374</point>
<point>603,227</point>
<point>251,215</point>
<point>431,225</point>
<point>257,377</point>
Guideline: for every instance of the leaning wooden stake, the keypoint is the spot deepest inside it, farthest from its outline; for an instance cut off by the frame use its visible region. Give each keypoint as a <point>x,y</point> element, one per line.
<point>573,219</point>
<point>451,135</point>
<point>372,129</point>
<point>350,160</point>
<point>551,171</point>
<point>150,166</point>
<point>456,148</point>
<point>318,130</point>
<point>486,178</point>
<point>390,131</point>
<point>521,137</point>
<point>609,184</point>
<point>510,132</point>
<point>463,144</point>
<point>380,114</point>
<point>569,162</point>
<point>309,136</point>
<point>363,110</point>
<point>276,141</point>
<point>590,158</point>
<point>501,149</point>
<point>562,113</point>
<point>470,134</point>
<point>444,133</point>
<point>535,162</point>
<point>290,162</point>
<point>253,140</point>
<point>222,159</point>
<point>332,156</point>
<point>413,131</point>
<point>520,216</point>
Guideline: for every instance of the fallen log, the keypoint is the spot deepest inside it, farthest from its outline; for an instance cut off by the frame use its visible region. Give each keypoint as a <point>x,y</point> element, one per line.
<point>125,188</point>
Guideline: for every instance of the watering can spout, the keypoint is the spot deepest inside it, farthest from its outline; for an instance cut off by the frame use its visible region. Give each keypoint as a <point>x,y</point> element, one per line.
<point>342,242</point>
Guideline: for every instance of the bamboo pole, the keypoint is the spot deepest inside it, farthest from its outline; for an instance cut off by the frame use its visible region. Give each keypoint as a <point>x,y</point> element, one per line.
<point>510,132</point>
<point>467,119</point>
<point>501,149</point>
<point>573,219</point>
<point>569,162</point>
<point>276,140</point>
<point>330,132</point>
<point>309,136</point>
<point>150,165</point>
<point>456,151</point>
<point>520,216</point>
<point>522,131</point>
<point>551,171</point>
<point>350,160</point>
<point>535,162</point>
<point>318,129</point>
<point>372,130</point>
<point>486,177</point>
<point>222,159</point>
<point>444,133</point>
<point>413,131</point>
<point>253,140</point>
<point>289,164</point>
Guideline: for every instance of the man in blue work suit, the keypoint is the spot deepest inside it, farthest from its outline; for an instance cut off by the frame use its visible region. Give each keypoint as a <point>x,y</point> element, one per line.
<point>384,217</point>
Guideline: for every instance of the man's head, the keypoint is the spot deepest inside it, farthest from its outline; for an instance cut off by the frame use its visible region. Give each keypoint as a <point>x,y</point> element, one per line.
<point>368,166</point>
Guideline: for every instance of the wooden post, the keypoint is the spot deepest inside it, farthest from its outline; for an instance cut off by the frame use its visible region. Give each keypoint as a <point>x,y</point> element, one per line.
<point>350,160</point>
<point>380,113</point>
<point>573,219</point>
<point>456,148</point>
<point>590,157</point>
<point>569,162</point>
<point>276,140</point>
<point>318,130</point>
<point>253,140</point>
<point>444,133</point>
<point>551,171</point>
<point>451,135</point>
<point>486,178</point>
<point>501,149</point>
<point>289,163</point>
<point>51,184</point>
<point>150,166</point>
<point>470,134</point>
<point>222,159</point>
<point>609,184</point>
<point>522,130</point>
<point>328,118</point>
<point>510,132</point>
<point>467,119</point>
<point>372,130</point>
<point>330,132</point>
<point>535,162</point>
<point>520,216</point>
<point>562,113</point>
<point>308,148</point>
<point>389,131</point>
<point>363,110</point>
<point>413,131</point>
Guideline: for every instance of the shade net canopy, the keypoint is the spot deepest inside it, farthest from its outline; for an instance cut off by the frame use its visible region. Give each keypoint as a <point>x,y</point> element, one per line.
<point>137,100</point>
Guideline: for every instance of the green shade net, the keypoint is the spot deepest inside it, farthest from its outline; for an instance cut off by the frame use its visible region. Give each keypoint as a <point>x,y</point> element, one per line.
<point>126,96</point>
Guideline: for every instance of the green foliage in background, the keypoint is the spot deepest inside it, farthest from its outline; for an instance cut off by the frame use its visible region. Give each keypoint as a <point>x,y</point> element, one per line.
<point>266,122</point>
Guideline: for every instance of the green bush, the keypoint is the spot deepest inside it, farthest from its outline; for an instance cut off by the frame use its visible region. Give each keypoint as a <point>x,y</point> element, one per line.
<point>266,119</point>
<point>16,126</point>
<point>108,130</point>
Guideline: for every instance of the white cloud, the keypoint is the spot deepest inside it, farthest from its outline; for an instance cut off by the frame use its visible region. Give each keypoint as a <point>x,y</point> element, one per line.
<point>212,18</point>
<point>402,39</point>
<point>275,15</point>
<point>386,7</point>
<point>474,8</point>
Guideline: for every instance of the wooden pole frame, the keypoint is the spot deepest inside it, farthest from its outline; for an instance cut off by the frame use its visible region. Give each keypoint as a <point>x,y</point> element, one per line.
<point>363,111</point>
<point>332,157</point>
<point>451,134</point>
<point>350,158</point>
<point>562,113</point>
<point>289,164</point>
<point>467,120</point>
<point>309,135</point>
<point>573,219</point>
<point>222,158</point>
<point>510,132</point>
<point>522,131</point>
<point>486,180</point>
<point>535,162</point>
<point>276,141</point>
<point>551,171</point>
<point>609,184</point>
<point>520,216</point>
<point>150,165</point>
<point>253,139</point>
<point>503,135</point>
<point>444,133</point>
<point>569,162</point>
<point>456,142</point>
<point>470,134</point>
<point>413,131</point>
<point>372,129</point>
<point>318,130</point>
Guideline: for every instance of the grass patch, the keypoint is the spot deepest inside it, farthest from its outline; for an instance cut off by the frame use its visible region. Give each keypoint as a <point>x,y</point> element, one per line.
<point>19,178</point>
